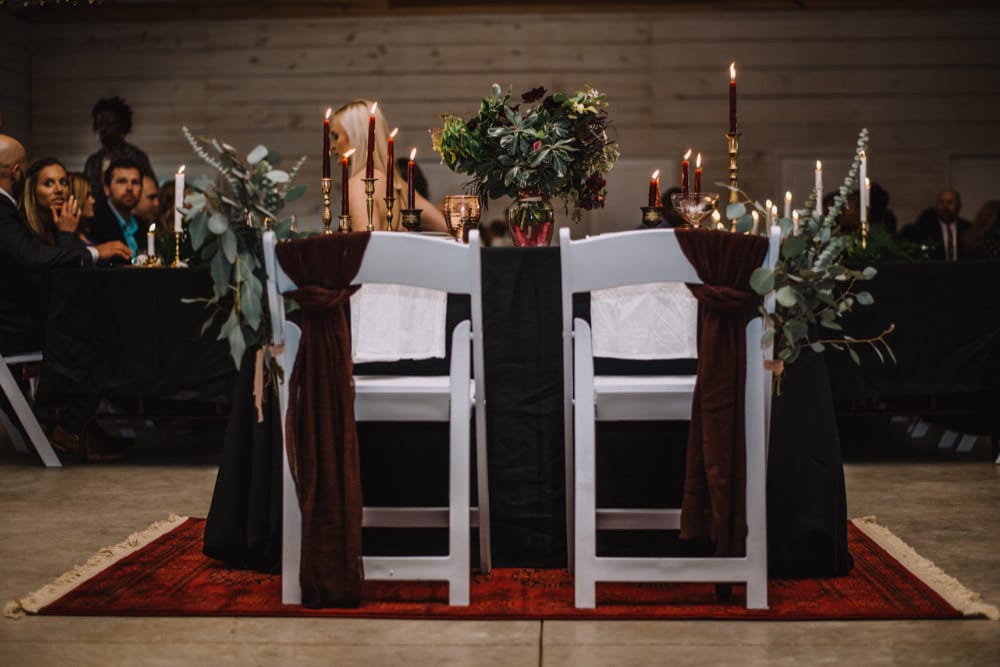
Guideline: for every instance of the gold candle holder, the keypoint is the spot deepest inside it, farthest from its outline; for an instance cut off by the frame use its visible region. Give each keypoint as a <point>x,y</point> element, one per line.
<point>177,250</point>
<point>370,201</point>
<point>389,203</point>
<point>411,218</point>
<point>651,215</point>
<point>733,142</point>
<point>325,185</point>
<point>345,222</point>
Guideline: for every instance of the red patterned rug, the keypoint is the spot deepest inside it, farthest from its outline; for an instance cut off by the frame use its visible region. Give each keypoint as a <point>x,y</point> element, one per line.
<point>170,576</point>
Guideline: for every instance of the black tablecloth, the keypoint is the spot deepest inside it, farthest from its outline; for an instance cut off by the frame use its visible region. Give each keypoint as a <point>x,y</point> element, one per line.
<point>125,332</point>
<point>946,342</point>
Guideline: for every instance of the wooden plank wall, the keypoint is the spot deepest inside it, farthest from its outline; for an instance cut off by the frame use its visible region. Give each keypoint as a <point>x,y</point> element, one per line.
<point>925,83</point>
<point>15,77</point>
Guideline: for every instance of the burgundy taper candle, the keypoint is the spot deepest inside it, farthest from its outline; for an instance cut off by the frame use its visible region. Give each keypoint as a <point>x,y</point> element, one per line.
<point>697,174</point>
<point>370,161</point>
<point>390,163</point>
<point>685,165</point>
<point>732,98</point>
<point>654,189</point>
<point>345,205</point>
<point>410,200</point>
<point>326,145</point>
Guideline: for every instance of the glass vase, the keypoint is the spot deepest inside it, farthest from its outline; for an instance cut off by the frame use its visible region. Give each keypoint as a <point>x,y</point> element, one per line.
<point>530,220</point>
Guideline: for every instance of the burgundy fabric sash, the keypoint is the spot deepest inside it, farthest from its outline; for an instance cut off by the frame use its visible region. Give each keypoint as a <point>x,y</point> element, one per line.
<point>714,504</point>
<point>321,434</point>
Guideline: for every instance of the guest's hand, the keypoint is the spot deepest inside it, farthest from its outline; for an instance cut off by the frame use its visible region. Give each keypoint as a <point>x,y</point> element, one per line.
<point>113,249</point>
<point>67,216</point>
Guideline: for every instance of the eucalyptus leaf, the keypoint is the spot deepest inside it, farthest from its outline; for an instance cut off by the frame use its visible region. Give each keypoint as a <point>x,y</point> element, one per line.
<point>768,337</point>
<point>854,356</point>
<point>869,272</point>
<point>207,324</point>
<point>762,280</point>
<point>793,246</point>
<point>218,223</point>
<point>278,176</point>
<point>257,154</point>
<point>735,210</point>
<point>786,296</point>
<point>221,270</point>
<point>251,303</point>
<point>295,193</point>
<point>229,245</point>
<point>817,347</point>
<point>198,229</point>
<point>744,224</point>
<point>865,298</point>
<point>237,345</point>
<point>232,322</point>
<point>831,324</point>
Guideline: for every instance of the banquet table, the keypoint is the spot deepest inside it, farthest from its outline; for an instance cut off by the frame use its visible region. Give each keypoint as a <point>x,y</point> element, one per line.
<point>946,343</point>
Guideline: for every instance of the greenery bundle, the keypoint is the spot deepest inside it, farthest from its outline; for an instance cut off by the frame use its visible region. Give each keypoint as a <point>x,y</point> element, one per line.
<point>225,220</point>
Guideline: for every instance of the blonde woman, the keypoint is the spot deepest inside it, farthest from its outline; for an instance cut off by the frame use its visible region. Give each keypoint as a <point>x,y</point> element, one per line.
<point>349,129</point>
<point>80,186</point>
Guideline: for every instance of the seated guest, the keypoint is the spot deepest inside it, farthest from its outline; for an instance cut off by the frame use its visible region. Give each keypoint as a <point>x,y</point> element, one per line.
<point>113,218</point>
<point>37,236</point>
<point>147,211</point>
<point>80,186</point>
<point>112,120</point>
<point>983,239</point>
<point>349,129</point>
<point>940,227</point>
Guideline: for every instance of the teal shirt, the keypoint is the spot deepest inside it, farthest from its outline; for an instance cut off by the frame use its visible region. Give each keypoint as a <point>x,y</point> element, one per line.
<point>128,230</point>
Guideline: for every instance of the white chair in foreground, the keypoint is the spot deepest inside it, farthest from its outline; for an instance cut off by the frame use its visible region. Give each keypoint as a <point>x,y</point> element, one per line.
<point>631,258</point>
<point>23,412</point>
<point>420,261</point>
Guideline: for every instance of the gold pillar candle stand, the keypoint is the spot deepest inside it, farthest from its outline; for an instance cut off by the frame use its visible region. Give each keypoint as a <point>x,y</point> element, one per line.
<point>177,250</point>
<point>389,203</point>
<point>345,223</point>
<point>733,148</point>
<point>325,185</point>
<point>651,215</point>
<point>370,201</point>
<point>411,218</point>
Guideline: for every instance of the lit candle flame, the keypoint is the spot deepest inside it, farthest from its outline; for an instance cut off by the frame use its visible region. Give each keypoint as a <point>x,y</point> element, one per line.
<point>374,106</point>
<point>732,71</point>
<point>697,163</point>
<point>788,195</point>
<point>862,155</point>
<point>716,216</point>
<point>413,154</point>
<point>392,135</point>
<point>152,228</point>
<point>868,183</point>
<point>767,204</point>
<point>687,156</point>
<point>656,175</point>
<point>329,110</point>
<point>349,153</point>
<point>774,210</point>
<point>795,217</point>
<point>181,170</point>
<point>819,165</point>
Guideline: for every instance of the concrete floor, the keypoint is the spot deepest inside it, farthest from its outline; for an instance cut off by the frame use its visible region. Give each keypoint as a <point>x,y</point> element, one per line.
<point>55,519</point>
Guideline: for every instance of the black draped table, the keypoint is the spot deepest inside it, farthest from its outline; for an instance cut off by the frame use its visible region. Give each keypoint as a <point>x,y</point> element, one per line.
<point>946,343</point>
<point>124,333</point>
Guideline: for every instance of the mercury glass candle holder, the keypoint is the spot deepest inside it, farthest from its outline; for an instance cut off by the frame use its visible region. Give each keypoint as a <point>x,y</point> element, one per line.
<point>694,207</point>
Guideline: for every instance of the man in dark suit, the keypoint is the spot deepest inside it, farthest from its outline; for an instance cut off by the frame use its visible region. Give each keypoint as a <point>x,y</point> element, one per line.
<point>940,227</point>
<point>113,219</point>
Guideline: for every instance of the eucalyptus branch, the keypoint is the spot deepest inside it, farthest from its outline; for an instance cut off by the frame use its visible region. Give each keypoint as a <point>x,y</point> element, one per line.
<point>847,340</point>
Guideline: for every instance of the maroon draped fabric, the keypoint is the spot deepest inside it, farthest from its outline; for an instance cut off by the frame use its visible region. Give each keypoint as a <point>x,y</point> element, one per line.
<point>714,503</point>
<point>321,434</point>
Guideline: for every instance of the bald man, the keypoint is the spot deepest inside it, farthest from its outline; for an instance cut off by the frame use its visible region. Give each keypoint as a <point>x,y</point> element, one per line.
<point>26,259</point>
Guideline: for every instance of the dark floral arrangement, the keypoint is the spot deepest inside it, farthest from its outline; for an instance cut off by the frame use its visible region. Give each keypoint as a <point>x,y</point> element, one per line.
<point>558,147</point>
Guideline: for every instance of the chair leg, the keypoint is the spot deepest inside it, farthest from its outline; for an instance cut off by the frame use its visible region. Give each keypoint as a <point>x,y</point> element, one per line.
<point>14,433</point>
<point>27,418</point>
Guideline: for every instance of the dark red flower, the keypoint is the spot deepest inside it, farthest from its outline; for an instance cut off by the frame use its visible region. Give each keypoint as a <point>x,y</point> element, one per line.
<point>533,95</point>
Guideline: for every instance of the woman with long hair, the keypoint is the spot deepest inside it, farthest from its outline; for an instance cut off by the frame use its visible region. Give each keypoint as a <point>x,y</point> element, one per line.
<point>48,204</point>
<point>349,129</point>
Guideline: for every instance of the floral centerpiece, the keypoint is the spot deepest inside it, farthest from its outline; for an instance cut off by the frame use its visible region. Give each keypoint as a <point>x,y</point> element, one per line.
<point>226,219</point>
<point>813,285</point>
<point>556,146</point>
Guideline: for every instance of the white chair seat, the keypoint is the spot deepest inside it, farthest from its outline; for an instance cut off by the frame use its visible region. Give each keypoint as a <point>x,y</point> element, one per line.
<point>404,398</point>
<point>631,398</point>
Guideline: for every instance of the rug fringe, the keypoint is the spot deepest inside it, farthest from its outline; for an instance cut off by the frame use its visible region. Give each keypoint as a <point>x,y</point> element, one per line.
<point>32,602</point>
<point>951,589</point>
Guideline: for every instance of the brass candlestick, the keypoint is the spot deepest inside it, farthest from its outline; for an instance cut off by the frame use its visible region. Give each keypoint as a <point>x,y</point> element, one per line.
<point>369,200</point>
<point>345,222</point>
<point>411,218</point>
<point>177,250</point>
<point>733,141</point>
<point>651,215</point>
<point>325,185</point>
<point>389,203</point>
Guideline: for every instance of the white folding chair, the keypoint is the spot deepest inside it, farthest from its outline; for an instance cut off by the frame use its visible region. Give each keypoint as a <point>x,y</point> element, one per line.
<point>23,412</point>
<point>632,258</point>
<point>420,261</point>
